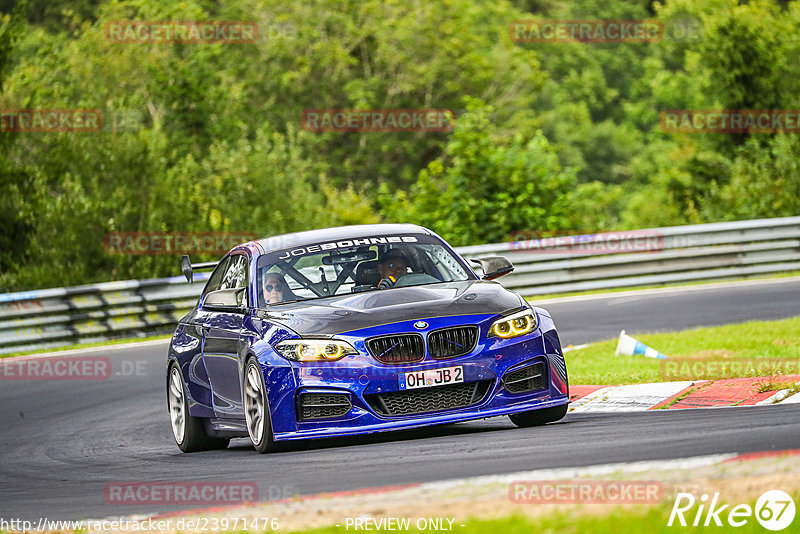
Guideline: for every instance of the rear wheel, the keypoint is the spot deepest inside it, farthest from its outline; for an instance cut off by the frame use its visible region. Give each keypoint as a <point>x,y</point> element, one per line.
<point>256,408</point>
<point>539,417</point>
<point>187,430</point>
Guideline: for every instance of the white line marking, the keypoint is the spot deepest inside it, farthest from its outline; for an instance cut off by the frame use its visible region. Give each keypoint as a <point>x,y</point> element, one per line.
<point>774,399</point>
<point>793,399</point>
<point>571,473</point>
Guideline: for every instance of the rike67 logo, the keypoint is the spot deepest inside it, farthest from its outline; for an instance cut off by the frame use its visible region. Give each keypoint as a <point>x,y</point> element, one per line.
<point>774,510</point>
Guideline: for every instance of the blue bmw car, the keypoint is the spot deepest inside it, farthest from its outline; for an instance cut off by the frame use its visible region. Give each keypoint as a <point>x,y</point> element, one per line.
<point>355,330</point>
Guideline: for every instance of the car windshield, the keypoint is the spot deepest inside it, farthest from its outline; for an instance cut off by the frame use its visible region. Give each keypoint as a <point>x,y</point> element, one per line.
<point>350,266</point>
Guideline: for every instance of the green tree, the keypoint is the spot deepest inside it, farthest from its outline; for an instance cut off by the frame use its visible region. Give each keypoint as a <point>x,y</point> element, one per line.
<point>484,190</point>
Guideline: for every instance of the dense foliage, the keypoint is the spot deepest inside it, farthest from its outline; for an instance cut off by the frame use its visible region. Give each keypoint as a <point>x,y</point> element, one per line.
<point>549,137</point>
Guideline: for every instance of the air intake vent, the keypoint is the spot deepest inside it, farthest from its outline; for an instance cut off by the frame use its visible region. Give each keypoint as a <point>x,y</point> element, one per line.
<point>425,400</point>
<point>525,379</point>
<point>452,342</point>
<point>401,348</point>
<point>322,405</point>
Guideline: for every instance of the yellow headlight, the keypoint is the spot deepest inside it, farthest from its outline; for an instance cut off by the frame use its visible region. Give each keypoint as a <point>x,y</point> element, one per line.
<point>314,350</point>
<point>332,351</point>
<point>516,325</point>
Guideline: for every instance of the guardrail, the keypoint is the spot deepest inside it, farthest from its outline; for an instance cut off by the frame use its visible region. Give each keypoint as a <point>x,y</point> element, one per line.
<point>714,251</point>
<point>100,312</point>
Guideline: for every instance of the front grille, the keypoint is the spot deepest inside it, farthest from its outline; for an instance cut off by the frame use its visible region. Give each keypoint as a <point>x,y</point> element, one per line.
<point>452,342</point>
<point>322,405</point>
<point>425,400</point>
<point>528,378</point>
<point>400,348</point>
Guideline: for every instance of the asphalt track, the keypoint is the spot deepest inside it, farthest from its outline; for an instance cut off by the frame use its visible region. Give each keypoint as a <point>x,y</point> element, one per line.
<point>594,317</point>
<point>63,441</point>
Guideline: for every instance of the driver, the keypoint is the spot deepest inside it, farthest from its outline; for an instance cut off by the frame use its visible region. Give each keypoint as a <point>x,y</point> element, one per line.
<point>274,289</point>
<point>392,265</point>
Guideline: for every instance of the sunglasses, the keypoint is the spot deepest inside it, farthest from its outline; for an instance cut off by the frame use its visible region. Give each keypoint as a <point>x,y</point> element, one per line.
<point>397,265</point>
<point>269,287</point>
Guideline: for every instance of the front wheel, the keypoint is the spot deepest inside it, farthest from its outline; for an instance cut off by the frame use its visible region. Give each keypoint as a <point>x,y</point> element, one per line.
<point>187,430</point>
<point>256,408</point>
<point>539,417</point>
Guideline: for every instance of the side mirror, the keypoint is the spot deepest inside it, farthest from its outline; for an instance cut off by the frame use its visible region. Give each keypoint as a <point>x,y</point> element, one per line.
<point>493,266</point>
<point>186,268</point>
<point>226,300</point>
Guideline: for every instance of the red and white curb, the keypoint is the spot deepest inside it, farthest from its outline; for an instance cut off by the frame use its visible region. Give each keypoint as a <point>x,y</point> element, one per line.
<point>631,398</point>
<point>680,395</point>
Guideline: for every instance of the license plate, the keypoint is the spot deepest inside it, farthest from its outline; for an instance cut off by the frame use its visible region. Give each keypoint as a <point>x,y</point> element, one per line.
<point>431,377</point>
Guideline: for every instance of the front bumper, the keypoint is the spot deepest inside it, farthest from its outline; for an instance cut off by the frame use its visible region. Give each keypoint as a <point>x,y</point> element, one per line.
<point>330,431</point>
<point>361,379</point>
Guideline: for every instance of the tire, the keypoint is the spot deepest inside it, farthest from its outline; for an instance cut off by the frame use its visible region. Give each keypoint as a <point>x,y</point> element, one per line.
<point>256,407</point>
<point>539,417</point>
<point>188,431</point>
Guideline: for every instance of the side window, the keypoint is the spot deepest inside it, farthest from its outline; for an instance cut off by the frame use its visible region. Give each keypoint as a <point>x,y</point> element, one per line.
<point>235,272</point>
<point>215,282</point>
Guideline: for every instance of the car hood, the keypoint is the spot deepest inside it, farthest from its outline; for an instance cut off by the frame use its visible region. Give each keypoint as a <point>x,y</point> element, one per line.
<point>344,313</point>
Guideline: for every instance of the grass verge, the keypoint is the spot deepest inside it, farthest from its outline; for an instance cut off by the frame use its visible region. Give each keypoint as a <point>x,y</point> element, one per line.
<point>756,340</point>
<point>774,384</point>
